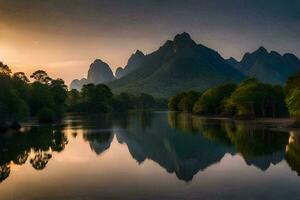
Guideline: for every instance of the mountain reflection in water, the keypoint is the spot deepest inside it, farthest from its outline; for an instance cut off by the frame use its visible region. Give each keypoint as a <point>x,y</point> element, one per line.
<point>180,143</point>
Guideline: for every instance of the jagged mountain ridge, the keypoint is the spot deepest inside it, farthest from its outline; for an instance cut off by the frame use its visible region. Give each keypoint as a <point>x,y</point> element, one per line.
<point>178,65</point>
<point>132,64</point>
<point>181,64</point>
<point>268,67</point>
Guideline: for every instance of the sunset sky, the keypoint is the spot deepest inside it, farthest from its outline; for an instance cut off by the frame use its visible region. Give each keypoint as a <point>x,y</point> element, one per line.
<point>64,36</point>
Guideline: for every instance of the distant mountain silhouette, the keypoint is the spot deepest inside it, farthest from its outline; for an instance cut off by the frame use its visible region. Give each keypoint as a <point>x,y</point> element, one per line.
<point>133,63</point>
<point>99,72</point>
<point>178,65</point>
<point>77,84</point>
<point>182,65</point>
<point>267,67</point>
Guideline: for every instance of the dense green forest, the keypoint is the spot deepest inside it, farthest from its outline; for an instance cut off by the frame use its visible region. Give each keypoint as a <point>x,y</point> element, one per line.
<point>47,99</point>
<point>248,100</point>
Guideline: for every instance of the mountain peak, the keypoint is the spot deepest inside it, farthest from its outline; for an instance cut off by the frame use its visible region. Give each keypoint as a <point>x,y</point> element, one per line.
<point>99,72</point>
<point>262,50</point>
<point>99,61</point>
<point>138,52</point>
<point>132,64</point>
<point>183,36</point>
<point>183,40</point>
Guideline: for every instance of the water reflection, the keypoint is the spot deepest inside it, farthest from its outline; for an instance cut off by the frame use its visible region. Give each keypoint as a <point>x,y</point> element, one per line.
<point>35,143</point>
<point>292,154</point>
<point>182,154</point>
<point>180,143</point>
<point>257,143</point>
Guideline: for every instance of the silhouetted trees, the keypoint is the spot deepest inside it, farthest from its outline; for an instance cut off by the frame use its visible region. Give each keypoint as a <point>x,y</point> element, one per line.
<point>100,99</point>
<point>20,99</point>
<point>39,142</point>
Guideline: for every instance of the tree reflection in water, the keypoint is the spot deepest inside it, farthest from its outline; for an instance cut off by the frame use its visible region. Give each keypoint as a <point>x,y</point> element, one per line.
<point>180,143</point>
<point>189,144</point>
<point>255,142</point>
<point>38,143</point>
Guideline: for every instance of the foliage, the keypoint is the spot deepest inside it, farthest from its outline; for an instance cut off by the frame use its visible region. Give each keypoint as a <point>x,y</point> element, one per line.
<point>174,101</point>
<point>96,98</point>
<point>212,101</point>
<point>187,102</point>
<point>144,101</point>
<point>293,83</point>
<point>255,99</point>
<point>46,115</point>
<point>4,69</point>
<point>249,99</point>
<point>293,102</point>
<point>123,102</point>
<point>41,77</point>
<point>293,95</point>
<point>20,99</point>
<point>100,99</point>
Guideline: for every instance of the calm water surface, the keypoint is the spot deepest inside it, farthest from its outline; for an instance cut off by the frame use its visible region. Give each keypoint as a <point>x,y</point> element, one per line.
<point>142,155</point>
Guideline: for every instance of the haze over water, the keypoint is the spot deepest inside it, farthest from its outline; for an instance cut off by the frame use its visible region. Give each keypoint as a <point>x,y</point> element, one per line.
<point>144,155</point>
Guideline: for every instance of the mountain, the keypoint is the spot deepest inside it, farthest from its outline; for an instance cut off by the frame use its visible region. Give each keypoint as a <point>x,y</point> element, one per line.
<point>77,84</point>
<point>178,65</point>
<point>99,72</point>
<point>233,62</point>
<point>268,67</point>
<point>133,63</point>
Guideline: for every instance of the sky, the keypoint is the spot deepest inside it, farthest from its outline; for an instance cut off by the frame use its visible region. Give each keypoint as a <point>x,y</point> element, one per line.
<point>64,36</point>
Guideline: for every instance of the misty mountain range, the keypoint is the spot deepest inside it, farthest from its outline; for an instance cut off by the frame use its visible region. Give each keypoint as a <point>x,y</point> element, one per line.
<point>181,64</point>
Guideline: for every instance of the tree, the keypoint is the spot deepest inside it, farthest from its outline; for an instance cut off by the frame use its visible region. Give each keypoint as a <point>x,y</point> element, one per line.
<point>213,100</point>
<point>174,101</point>
<point>293,96</point>
<point>73,99</point>
<point>293,83</point>
<point>293,102</point>
<point>255,99</point>
<point>187,102</point>
<point>21,76</point>
<point>41,77</point>
<point>40,97</point>
<point>4,69</point>
<point>122,102</point>
<point>145,101</point>
<point>97,98</point>
<point>59,93</point>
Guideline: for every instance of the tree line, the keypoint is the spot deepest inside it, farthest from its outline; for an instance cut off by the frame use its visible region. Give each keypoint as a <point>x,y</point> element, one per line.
<point>247,100</point>
<point>21,99</point>
<point>100,99</point>
<point>47,99</point>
